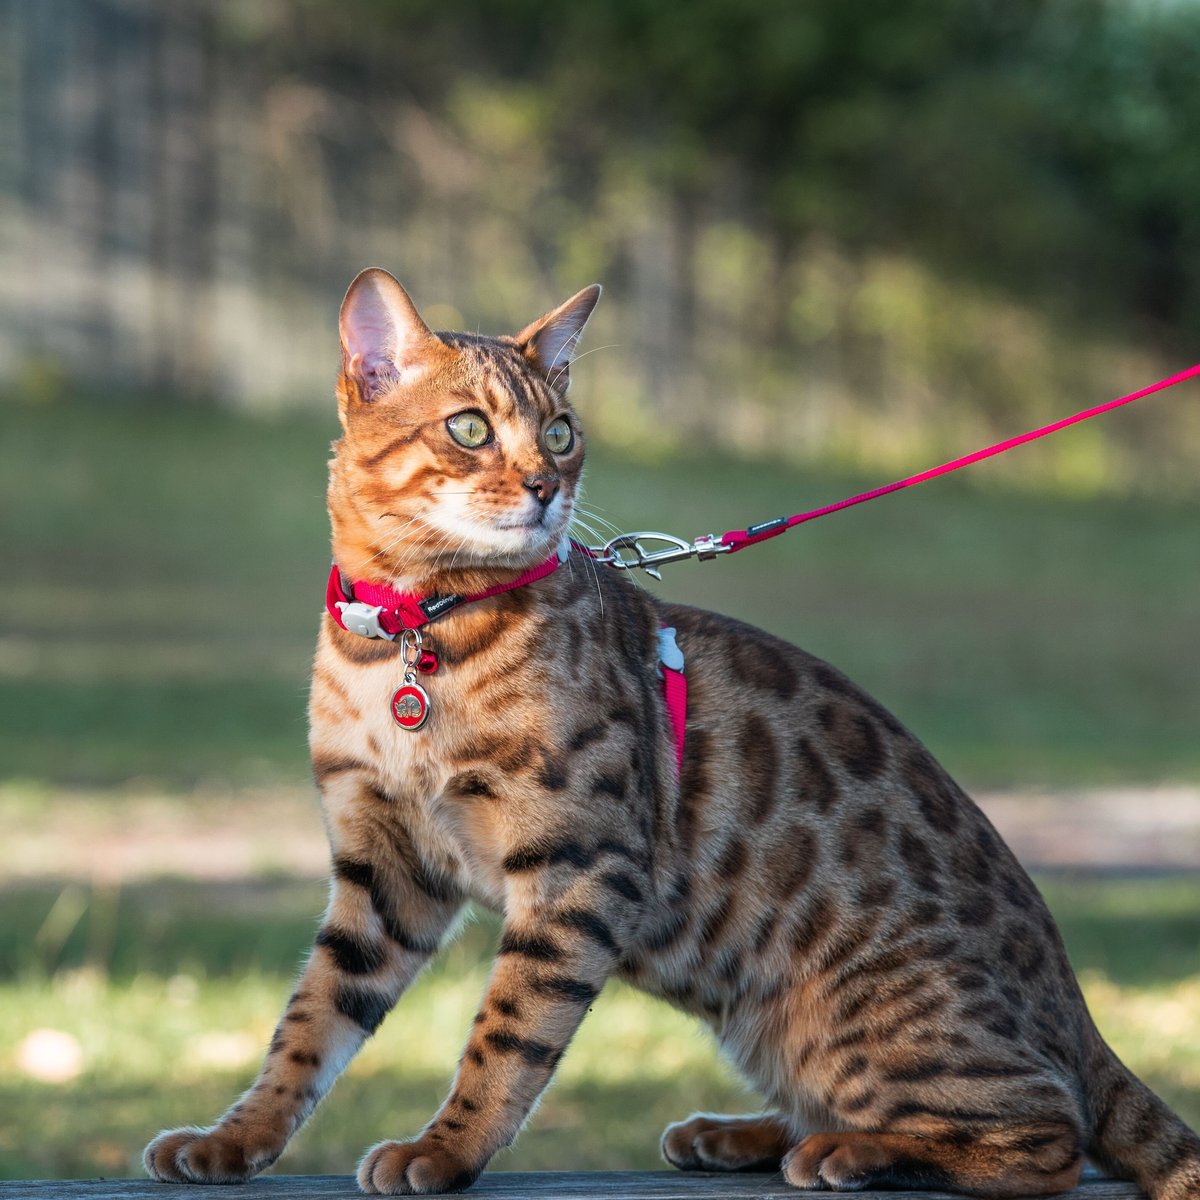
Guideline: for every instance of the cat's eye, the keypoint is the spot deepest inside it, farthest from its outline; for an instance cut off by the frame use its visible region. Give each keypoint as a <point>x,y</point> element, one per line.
<point>559,436</point>
<point>469,429</point>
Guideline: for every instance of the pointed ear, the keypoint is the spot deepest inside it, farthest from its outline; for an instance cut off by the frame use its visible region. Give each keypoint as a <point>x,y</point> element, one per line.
<point>384,340</point>
<point>550,342</point>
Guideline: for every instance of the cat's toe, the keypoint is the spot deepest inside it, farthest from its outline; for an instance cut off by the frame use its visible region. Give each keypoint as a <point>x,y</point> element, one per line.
<point>195,1155</point>
<point>413,1168</point>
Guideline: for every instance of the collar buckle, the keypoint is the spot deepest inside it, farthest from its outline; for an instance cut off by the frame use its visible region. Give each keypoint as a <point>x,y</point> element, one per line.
<point>363,619</point>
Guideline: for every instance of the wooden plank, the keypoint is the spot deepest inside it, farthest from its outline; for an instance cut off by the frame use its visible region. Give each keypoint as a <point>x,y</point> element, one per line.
<point>502,1185</point>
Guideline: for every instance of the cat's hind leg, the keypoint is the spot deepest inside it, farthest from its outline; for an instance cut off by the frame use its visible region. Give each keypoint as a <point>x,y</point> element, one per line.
<point>1034,1160</point>
<point>710,1143</point>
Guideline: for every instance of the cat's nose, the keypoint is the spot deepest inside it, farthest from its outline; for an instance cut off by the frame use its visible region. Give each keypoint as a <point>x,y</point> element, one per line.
<point>544,487</point>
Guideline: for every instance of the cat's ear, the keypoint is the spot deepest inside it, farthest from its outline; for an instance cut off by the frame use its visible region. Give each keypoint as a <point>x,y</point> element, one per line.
<point>550,342</point>
<point>384,340</point>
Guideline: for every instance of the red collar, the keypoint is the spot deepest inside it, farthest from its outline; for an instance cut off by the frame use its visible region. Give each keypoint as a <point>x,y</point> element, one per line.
<point>377,611</point>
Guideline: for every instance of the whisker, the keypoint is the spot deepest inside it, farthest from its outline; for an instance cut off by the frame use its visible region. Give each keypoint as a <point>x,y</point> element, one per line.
<point>586,526</point>
<point>410,551</point>
<point>595,516</point>
<point>595,350</point>
<point>401,535</point>
<point>427,535</point>
<point>591,561</point>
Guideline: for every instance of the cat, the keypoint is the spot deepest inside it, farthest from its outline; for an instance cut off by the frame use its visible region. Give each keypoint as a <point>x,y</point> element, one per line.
<point>808,880</point>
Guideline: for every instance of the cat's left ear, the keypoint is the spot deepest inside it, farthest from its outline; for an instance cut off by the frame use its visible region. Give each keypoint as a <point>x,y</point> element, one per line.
<point>550,342</point>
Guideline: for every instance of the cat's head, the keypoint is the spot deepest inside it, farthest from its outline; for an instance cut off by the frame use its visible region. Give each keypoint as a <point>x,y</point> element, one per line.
<point>460,453</point>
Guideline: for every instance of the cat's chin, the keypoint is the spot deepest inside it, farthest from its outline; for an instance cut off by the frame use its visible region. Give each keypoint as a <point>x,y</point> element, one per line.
<point>500,555</point>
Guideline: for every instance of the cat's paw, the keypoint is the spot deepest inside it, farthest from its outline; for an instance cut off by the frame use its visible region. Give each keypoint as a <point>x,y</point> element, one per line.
<point>683,1143</point>
<point>830,1160</point>
<point>708,1143</point>
<point>195,1155</point>
<point>414,1168</point>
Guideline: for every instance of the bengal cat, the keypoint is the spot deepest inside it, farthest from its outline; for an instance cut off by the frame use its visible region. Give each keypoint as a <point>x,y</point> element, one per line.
<point>810,883</point>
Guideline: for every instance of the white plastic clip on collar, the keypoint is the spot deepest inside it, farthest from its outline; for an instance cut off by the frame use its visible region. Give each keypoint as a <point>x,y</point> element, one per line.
<point>363,619</point>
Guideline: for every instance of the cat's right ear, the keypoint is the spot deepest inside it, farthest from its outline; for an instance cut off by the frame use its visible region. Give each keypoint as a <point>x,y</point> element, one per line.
<point>384,340</point>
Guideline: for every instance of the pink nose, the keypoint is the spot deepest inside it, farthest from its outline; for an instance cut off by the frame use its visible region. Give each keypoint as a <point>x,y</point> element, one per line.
<point>544,487</point>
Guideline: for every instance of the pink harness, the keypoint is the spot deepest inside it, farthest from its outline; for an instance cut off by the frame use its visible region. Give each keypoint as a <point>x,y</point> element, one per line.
<point>375,610</point>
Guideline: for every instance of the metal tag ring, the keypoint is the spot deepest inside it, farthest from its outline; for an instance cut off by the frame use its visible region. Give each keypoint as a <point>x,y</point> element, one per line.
<point>410,648</point>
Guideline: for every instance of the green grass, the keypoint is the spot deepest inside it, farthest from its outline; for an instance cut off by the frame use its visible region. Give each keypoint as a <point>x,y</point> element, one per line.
<point>166,568</point>
<point>171,989</point>
<point>165,575</point>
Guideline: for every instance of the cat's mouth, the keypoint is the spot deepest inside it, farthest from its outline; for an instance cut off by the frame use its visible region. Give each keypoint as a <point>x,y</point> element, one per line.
<point>537,521</point>
<point>533,520</point>
<point>510,540</point>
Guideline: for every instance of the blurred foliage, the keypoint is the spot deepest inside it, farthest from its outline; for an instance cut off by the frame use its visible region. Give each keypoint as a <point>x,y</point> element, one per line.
<point>878,233</point>
<point>893,229</point>
<point>1042,144</point>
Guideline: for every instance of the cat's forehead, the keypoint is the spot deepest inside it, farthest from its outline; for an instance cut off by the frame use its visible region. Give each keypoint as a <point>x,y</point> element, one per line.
<point>496,373</point>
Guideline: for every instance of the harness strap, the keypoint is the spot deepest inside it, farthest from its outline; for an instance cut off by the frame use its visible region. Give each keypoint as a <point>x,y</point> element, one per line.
<point>670,661</point>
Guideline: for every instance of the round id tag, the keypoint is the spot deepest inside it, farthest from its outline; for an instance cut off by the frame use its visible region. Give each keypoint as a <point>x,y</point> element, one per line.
<point>410,702</point>
<point>410,706</point>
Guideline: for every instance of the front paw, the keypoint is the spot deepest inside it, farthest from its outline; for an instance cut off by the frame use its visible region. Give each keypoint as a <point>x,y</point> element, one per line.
<point>194,1155</point>
<point>415,1168</point>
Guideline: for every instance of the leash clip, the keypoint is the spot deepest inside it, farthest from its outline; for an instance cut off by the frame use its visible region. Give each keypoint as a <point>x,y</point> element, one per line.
<point>626,551</point>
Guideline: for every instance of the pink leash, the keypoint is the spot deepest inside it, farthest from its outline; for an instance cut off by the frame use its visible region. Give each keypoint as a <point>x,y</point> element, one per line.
<point>375,610</point>
<point>738,539</point>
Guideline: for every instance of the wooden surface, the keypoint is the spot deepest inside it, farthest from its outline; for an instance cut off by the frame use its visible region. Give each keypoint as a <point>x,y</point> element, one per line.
<point>500,1185</point>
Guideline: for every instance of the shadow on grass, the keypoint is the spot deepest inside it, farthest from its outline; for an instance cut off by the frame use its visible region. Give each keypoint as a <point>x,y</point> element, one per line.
<point>1137,932</point>
<point>1017,634</point>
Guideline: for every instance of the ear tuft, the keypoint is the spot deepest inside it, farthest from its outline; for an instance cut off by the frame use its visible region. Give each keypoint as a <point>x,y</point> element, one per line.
<point>384,340</point>
<point>550,342</point>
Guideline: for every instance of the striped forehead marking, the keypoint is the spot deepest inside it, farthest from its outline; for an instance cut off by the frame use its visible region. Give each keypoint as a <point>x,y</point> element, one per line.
<point>504,377</point>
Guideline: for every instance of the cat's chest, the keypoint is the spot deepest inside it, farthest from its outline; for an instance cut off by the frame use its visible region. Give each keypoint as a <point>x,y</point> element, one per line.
<point>351,720</point>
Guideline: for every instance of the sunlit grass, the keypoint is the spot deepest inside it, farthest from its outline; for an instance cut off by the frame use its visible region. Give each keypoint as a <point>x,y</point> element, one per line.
<point>160,629</point>
<point>159,1051</point>
<point>175,1030</point>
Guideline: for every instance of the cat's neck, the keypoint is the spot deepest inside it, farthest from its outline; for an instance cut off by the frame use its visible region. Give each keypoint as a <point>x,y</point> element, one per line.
<point>365,556</point>
<point>359,564</point>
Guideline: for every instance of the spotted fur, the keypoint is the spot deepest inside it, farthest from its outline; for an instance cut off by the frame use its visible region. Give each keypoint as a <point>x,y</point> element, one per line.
<point>811,884</point>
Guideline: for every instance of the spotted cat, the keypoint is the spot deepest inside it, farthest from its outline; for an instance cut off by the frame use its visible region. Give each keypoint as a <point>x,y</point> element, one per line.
<point>809,882</point>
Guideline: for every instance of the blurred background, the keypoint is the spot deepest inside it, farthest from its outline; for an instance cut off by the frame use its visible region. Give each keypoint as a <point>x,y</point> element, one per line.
<point>839,242</point>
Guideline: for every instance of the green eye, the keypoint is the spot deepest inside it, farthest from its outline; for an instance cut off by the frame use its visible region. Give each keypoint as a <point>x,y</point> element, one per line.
<point>559,436</point>
<point>469,429</point>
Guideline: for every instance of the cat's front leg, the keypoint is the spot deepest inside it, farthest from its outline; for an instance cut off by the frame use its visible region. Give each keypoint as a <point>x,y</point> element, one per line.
<point>550,967</point>
<point>380,928</point>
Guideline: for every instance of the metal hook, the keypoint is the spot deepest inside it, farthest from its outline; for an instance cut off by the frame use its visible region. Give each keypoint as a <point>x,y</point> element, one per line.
<point>627,551</point>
